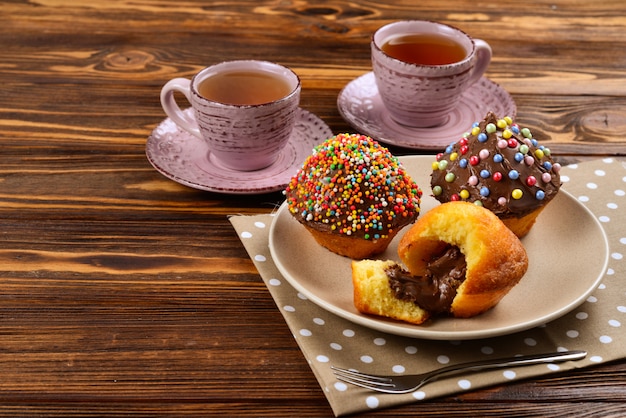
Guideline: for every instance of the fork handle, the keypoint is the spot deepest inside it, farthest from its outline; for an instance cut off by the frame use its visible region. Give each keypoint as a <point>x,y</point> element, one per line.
<point>515,361</point>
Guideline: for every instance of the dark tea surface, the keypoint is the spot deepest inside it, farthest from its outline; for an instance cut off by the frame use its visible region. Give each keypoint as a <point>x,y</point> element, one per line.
<point>424,49</point>
<point>244,87</point>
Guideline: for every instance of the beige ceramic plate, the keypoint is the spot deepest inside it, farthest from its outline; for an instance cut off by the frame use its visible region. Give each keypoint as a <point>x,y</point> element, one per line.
<point>567,249</point>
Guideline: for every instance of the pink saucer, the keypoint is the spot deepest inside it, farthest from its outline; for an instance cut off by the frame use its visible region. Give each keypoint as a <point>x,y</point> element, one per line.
<point>187,160</point>
<point>361,106</point>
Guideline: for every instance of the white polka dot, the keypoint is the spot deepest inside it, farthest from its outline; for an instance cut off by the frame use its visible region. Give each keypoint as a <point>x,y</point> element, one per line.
<point>564,178</point>
<point>592,186</point>
<point>443,359</point>
<point>410,349</point>
<point>372,402</point>
<point>596,359</point>
<point>305,332</point>
<point>611,205</point>
<point>340,386</point>
<point>622,240</point>
<point>336,346</point>
<point>318,321</point>
<point>572,333</point>
<point>259,225</point>
<point>604,219</point>
<point>617,256</point>
<point>583,199</point>
<point>601,286</point>
<point>582,315</point>
<point>260,257</point>
<point>322,359</point>
<point>464,384</point>
<point>553,367</point>
<point>509,374</point>
<point>380,341</point>
<point>600,173</point>
<point>573,166</point>
<point>348,333</point>
<point>419,395</point>
<point>398,368</point>
<point>367,359</point>
<point>592,299</point>
<point>620,192</point>
<point>274,282</point>
<point>246,234</point>
<point>486,350</point>
<point>608,160</point>
<point>610,271</point>
<point>621,309</point>
<point>614,323</point>
<point>289,308</point>
<point>302,296</point>
<point>605,339</point>
<point>530,342</point>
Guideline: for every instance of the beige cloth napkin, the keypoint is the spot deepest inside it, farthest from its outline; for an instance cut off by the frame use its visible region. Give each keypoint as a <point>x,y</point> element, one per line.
<point>596,326</point>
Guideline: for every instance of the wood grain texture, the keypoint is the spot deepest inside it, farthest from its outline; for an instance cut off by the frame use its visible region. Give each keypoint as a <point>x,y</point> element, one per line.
<point>123,293</point>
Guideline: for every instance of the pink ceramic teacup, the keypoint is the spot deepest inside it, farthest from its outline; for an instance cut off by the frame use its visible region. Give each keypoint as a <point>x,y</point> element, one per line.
<point>244,110</point>
<point>418,87</point>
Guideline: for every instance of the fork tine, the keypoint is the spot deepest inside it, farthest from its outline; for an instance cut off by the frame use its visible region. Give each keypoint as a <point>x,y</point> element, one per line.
<point>379,387</point>
<point>367,381</point>
<point>364,377</point>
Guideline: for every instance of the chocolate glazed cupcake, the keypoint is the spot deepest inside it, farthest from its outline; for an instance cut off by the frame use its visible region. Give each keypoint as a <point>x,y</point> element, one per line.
<point>500,166</point>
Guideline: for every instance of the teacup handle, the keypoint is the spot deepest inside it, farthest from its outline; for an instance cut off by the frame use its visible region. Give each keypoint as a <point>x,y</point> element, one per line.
<point>171,108</point>
<point>483,58</point>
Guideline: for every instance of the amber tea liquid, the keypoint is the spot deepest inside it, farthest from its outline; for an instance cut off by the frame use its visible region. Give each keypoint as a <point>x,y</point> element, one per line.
<point>424,49</point>
<point>244,87</point>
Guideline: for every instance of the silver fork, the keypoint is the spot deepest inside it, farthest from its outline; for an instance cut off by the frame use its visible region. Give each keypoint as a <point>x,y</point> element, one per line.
<point>410,383</point>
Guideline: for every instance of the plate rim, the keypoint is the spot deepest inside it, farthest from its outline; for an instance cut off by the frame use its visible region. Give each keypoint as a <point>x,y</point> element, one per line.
<point>401,329</point>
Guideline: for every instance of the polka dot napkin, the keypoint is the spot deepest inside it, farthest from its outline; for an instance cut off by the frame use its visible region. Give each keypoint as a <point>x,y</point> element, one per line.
<point>595,326</point>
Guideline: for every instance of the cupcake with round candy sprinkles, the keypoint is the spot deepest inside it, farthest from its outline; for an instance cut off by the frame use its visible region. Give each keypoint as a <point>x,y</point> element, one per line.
<point>500,166</point>
<point>353,196</point>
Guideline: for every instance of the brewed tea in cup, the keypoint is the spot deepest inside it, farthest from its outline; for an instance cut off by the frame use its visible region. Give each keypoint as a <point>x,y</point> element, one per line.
<point>422,69</point>
<point>244,110</point>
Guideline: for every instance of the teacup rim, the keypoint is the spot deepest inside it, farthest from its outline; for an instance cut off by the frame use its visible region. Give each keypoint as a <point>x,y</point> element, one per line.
<point>202,73</point>
<point>470,55</point>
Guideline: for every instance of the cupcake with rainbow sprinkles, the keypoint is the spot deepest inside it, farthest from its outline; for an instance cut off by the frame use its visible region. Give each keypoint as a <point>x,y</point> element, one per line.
<point>500,166</point>
<point>353,196</point>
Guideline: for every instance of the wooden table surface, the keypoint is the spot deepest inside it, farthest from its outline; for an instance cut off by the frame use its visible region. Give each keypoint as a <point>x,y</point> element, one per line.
<point>125,293</point>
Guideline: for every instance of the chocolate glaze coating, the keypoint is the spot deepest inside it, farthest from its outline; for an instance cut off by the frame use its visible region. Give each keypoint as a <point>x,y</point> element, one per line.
<point>511,180</point>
